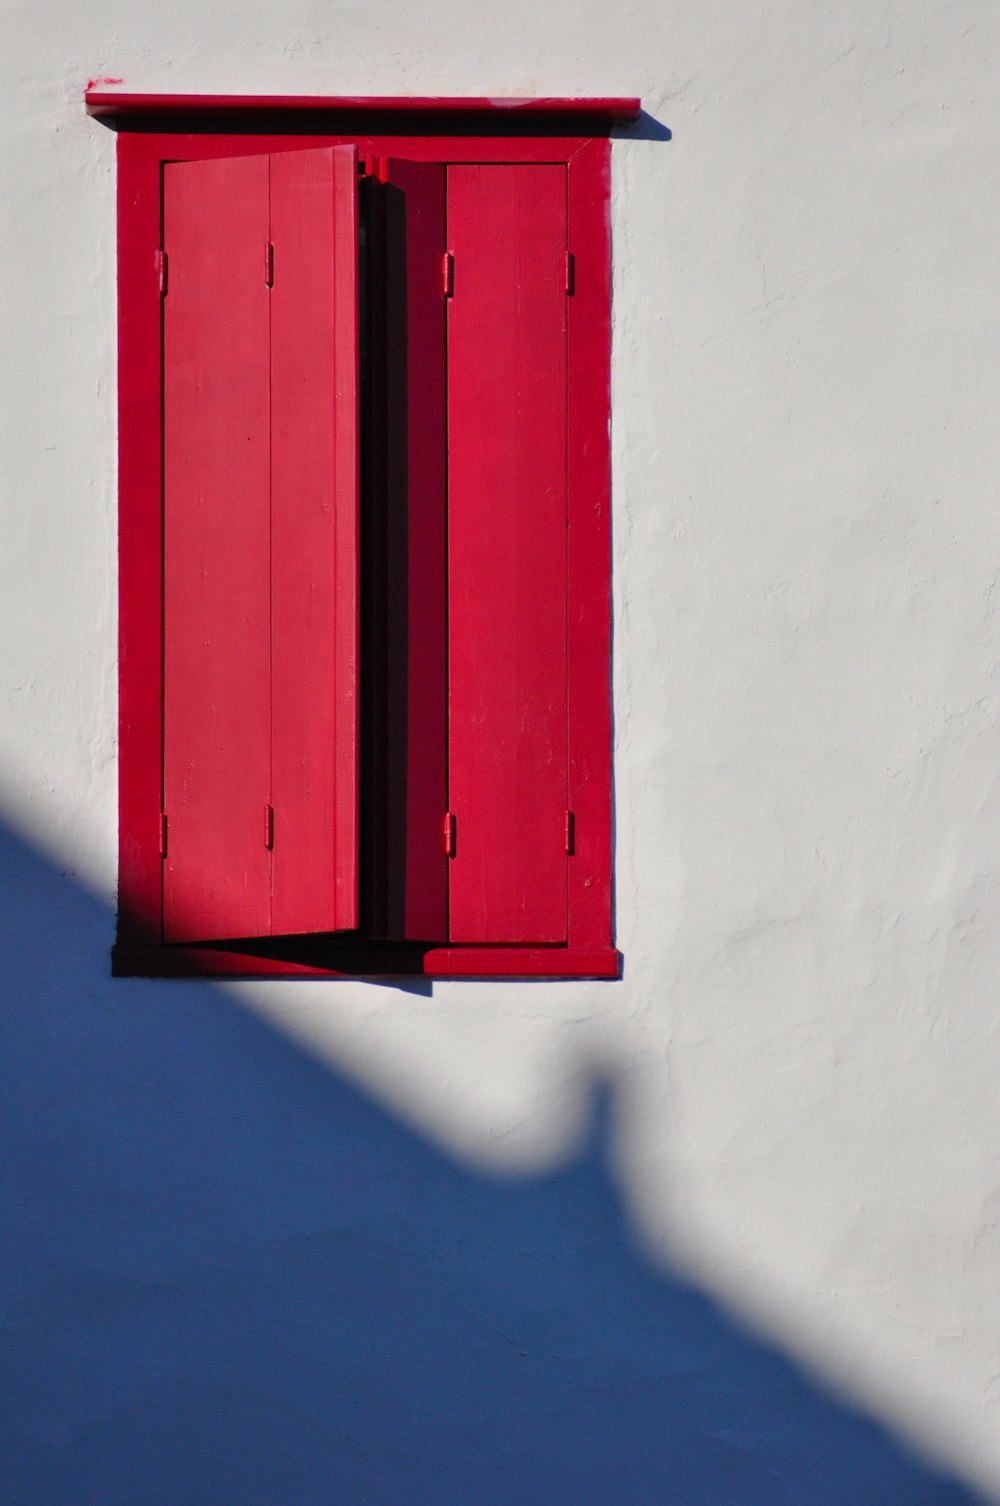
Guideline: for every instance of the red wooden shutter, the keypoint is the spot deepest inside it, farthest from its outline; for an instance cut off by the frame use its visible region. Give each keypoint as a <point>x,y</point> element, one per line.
<point>507,552</point>
<point>406,613</point>
<point>260,545</point>
<point>314,539</point>
<point>216,566</point>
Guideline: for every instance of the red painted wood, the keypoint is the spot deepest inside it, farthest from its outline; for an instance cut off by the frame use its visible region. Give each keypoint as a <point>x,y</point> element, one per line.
<point>408,638</point>
<point>314,539</point>
<point>216,460</point>
<point>109,102</point>
<point>179,145</point>
<point>371,962</point>
<point>141,160</point>
<point>507,552</point>
<point>589,490</point>
<point>522,962</point>
<point>140,604</point>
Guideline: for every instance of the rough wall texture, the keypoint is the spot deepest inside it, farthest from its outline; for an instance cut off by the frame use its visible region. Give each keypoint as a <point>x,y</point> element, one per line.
<point>364,1244</point>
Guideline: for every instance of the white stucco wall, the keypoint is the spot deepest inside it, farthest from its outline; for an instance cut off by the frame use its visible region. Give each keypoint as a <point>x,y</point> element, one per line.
<point>804,1048</point>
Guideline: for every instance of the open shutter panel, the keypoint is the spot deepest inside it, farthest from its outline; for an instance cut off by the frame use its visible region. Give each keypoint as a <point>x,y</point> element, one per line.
<point>216,459</point>
<point>406,619</point>
<point>507,553</point>
<point>314,539</point>
<point>260,545</point>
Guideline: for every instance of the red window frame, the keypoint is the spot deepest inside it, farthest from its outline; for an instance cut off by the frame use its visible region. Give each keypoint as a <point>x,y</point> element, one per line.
<point>153,135</point>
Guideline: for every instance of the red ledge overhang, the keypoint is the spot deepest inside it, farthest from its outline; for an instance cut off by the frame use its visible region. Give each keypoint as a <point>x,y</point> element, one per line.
<point>106,103</point>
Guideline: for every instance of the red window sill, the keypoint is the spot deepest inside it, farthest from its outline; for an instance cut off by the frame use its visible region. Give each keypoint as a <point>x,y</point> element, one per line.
<point>326,960</point>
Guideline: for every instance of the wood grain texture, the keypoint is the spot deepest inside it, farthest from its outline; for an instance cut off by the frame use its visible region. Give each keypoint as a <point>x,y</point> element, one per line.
<point>216,551</point>
<point>507,552</point>
<point>314,540</point>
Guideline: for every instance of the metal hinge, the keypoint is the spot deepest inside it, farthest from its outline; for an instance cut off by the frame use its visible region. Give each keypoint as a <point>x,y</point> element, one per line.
<point>570,833</point>
<point>448,833</point>
<point>160,263</point>
<point>269,264</point>
<point>163,834</point>
<point>448,275</point>
<point>570,273</point>
<point>269,827</point>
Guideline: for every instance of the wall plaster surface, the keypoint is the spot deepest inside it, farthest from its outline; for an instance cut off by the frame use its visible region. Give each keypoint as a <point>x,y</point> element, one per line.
<point>802,1056</point>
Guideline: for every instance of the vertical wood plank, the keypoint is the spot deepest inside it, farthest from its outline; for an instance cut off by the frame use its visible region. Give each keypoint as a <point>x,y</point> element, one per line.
<point>314,539</point>
<point>140,565</point>
<point>216,550</point>
<point>589,473</point>
<point>407,624</point>
<point>507,552</point>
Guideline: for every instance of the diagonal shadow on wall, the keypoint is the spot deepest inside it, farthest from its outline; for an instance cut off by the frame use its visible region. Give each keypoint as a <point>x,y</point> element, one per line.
<point>228,1279</point>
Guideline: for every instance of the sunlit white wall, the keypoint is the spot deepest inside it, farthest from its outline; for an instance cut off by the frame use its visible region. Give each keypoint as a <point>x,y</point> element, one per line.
<point>806,1040</point>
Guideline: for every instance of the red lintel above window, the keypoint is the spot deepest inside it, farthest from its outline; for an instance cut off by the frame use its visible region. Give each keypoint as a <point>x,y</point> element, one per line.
<point>110,102</point>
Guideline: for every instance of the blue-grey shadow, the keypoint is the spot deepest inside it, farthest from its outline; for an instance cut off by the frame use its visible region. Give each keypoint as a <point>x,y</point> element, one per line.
<point>228,1278</point>
<point>646,128</point>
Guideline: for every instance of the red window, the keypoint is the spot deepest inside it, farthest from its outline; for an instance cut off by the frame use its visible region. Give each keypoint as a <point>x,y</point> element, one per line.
<point>365,548</point>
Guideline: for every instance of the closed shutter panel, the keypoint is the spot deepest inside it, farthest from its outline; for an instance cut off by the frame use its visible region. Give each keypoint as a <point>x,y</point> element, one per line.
<point>507,553</point>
